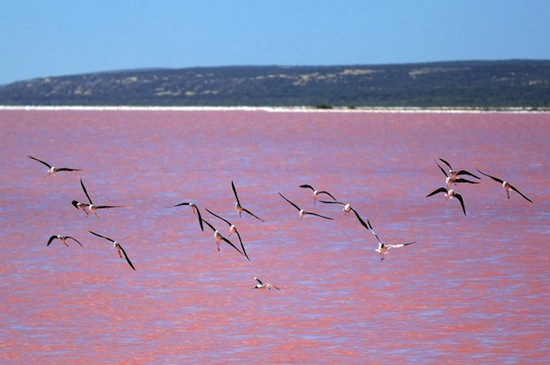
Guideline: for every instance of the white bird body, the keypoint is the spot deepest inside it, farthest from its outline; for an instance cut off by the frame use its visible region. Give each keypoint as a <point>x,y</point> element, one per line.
<point>452,175</point>
<point>91,208</point>
<point>383,248</point>
<point>262,285</point>
<point>506,186</point>
<point>232,229</point>
<point>219,238</point>
<point>316,192</point>
<point>118,247</point>
<point>239,208</point>
<point>449,194</point>
<point>302,213</point>
<point>195,210</point>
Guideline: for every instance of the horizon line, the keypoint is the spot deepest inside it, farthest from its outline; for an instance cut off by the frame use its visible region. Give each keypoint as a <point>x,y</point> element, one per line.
<point>300,109</point>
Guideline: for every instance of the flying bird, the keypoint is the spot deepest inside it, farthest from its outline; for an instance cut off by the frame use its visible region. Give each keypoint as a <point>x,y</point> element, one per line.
<point>449,194</point>
<point>195,210</point>
<point>316,193</point>
<point>239,208</point>
<point>91,208</point>
<point>81,206</point>
<point>219,238</point>
<point>383,248</point>
<point>51,169</point>
<point>118,247</point>
<point>63,239</point>
<point>261,285</point>
<point>453,173</point>
<point>346,207</point>
<point>232,229</point>
<point>506,186</point>
<point>452,176</point>
<point>303,212</point>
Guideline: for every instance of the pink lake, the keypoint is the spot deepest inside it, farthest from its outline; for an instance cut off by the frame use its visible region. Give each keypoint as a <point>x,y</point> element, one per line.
<point>473,289</point>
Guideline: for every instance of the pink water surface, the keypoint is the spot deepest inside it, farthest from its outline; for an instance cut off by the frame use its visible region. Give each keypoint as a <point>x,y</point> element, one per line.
<point>473,289</point>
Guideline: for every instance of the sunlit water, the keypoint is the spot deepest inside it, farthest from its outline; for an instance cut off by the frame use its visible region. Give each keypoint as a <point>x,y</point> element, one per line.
<point>472,289</point>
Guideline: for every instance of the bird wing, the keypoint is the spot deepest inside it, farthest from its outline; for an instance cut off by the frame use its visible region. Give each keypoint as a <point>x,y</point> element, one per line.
<point>197,210</point>
<point>397,245</point>
<point>85,192</point>
<point>294,205</point>
<point>461,180</point>
<point>319,215</point>
<point>67,169</point>
<point>97,234</point>
<point>200,218</point>
<point>217,216</point>
<point>180,204</point>
<point>252,214</point>
<point>51,238</point>
<point>42,162</point>
<point>360,219</point>
<point>231,244</point>
<point>126,257</point>
<point>209,225</point>
<point>76,203</point>
<point>441,168</point>
<point>327,193</point>
<point>242,245</point>
<point>306,186</point>
<point>459,197</point>
<point>520,193</point>
<point>446,163</point>
<point>440,190</point>
<point>74,239</point>
<point>235,192</point>
<point>108,206</point>
<point>332,202</point>
<point>492,177</point>
<point>373,232</point>
<point>464,172</point>
<point>259,281</point>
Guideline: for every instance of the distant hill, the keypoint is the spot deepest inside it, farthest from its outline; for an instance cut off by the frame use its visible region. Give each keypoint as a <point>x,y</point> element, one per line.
<point>475,84</point>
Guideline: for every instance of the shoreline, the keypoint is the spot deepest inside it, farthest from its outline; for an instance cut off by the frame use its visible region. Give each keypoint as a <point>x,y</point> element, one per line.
<point>302,109</point>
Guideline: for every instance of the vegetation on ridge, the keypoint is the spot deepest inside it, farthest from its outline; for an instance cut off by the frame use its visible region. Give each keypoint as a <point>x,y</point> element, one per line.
<point>476,84</point>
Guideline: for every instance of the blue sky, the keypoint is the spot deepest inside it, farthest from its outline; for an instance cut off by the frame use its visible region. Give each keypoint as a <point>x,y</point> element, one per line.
<point>60,37</point>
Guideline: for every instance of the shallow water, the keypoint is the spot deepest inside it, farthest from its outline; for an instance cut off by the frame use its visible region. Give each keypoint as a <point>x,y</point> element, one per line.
<point>472,289</point>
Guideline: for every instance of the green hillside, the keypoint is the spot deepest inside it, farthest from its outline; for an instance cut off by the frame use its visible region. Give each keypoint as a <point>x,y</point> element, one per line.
<point>476,84</point>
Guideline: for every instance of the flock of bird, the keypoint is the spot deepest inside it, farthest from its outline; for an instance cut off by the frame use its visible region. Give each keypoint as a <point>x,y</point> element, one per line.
<point>452,179</point>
